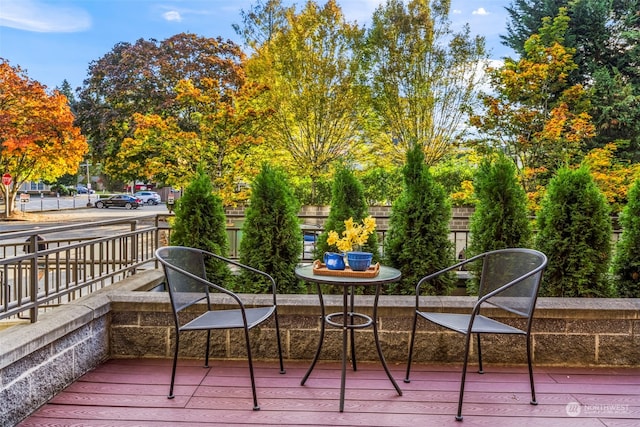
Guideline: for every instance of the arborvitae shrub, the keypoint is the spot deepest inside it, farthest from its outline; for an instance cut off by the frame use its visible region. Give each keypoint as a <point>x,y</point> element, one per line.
<point>500,217</point>
<point>417,241</point>
<point>574,231</point>
<point>626,262</point>
<point>201,223</point>
<point>271,234</point>
<point>347,201</point>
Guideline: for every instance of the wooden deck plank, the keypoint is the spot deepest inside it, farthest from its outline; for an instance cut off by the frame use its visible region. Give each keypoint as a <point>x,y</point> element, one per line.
<point>133,392</point>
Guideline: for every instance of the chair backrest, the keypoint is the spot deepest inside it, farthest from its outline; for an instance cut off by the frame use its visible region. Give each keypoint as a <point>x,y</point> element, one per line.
<point>519,268</point>
<point>178,261</point>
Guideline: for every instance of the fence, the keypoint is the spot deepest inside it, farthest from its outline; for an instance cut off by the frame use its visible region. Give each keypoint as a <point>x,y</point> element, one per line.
<point>46,267</point>
<point>43,268</point>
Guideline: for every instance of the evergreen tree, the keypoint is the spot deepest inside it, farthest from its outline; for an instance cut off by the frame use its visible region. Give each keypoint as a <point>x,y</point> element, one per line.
<point>500,217</point>
<point>347,201</point>
<point>201,223</point>
<point>418,242</point>
<point>271,235</point>
<point>574,231</point>
<point>626,262</point>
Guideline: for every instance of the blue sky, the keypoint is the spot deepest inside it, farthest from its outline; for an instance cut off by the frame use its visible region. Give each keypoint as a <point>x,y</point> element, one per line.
<point>55,40</point>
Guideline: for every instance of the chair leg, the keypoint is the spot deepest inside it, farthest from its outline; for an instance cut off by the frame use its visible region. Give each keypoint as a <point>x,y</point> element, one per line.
<point>256,407</point>
<point>175,363</point>
<point>413,337</point>
<point>464,374</point>
<point>533,390</point>
<point>206,354</point>
<point>282,370</point>
<point>480,370</point>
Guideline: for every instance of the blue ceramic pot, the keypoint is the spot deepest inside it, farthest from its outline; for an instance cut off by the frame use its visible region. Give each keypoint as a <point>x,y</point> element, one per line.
<point>334,261</point>
<point>359,261</point>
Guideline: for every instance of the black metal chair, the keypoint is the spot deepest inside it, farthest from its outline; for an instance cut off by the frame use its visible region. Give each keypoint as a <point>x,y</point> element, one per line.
<point>509,280</point>
<point>186,280</point>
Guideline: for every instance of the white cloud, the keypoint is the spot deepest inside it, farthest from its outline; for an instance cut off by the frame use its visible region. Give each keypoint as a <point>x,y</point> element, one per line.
<point>37,16</point>
<point>172,15</point>
<point>456,11</point>
<point>480,11</point>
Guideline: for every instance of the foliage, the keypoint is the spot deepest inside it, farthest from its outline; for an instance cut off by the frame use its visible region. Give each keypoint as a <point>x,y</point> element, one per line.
<point>381,185</point>
<point>574,231</point>
<point>536,116</point>
<point>217,127</point>
<point>200,223</point>
<point>605,36</point>
<point>354,235</point>
<point>309,193</point>
<point>347,201</point>
<point>626,261</point>
<point>613,176</point>
<point>38,138</point>
<point>261,23</point>
<point>418,238</point>
<point>500,218</point>
<point>422,76</point>
<point>271,235</point>
<point>191,82</point>
<point>313,75</point>
<point>455,174</point>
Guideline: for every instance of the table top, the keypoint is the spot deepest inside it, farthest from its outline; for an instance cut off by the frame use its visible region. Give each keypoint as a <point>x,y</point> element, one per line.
<point>386,275</point>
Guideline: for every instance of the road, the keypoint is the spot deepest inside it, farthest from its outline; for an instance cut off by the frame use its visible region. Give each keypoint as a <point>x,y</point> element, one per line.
<point>70,211</point>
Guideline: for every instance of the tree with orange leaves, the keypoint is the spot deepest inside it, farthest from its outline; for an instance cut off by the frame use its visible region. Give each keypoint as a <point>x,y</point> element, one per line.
<point>38,139</point>
<point>535,115</point>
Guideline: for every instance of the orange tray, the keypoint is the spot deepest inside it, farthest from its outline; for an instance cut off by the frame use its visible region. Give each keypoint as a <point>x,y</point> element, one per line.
<point>321,269</point>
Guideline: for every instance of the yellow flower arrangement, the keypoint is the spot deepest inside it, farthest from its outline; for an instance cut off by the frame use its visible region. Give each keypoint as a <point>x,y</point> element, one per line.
<point>355,235</point>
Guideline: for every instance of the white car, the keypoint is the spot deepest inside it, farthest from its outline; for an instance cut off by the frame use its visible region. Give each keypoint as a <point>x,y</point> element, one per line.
<point>148,197</point>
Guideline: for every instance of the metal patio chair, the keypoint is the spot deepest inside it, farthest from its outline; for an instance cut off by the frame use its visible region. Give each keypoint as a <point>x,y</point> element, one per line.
<point>509,280</point>
<point>186,280</point>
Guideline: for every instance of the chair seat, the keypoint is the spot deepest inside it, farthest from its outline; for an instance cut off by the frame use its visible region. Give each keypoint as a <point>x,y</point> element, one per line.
<point>228,319</point>
<point>460,323</point>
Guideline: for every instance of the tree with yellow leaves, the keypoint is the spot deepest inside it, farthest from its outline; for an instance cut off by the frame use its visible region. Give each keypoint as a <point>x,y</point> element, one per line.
<point>535,115</point>
<point>217,127</point>
<point>38,139</point>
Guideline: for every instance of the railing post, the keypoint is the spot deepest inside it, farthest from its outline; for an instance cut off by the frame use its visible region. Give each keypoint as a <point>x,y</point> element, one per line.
<point>33,277</point>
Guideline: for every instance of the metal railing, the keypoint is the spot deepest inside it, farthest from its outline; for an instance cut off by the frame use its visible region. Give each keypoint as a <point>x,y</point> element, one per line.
<point>43,268</point>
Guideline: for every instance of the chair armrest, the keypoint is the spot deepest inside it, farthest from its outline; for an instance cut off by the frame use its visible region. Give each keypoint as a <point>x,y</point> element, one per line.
<point>248,268</point>
<point>438,273</point>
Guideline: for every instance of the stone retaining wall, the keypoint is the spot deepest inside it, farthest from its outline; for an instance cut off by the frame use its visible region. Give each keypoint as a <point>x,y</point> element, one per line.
<point>38,360</point>
<point>566,331</point>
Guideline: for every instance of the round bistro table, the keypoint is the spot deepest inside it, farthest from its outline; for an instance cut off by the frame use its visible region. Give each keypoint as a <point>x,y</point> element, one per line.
<point>349,316</point>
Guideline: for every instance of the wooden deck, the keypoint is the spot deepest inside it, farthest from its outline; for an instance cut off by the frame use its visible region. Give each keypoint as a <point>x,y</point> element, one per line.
<point>133,393</point>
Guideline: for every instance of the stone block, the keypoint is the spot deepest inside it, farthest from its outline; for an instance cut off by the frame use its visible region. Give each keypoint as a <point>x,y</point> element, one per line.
<point>619,349</point>
<point>129,341</point>
<point>562,349</point>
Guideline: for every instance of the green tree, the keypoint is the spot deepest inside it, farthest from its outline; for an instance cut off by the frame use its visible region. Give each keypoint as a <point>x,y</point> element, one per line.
<point>347,201</point>
<point>535,114</point>
<point>418,237</point>
<point>500,217</point>
<point>626,261</point>
<point>200,222</point>
<point>574,231</point>
<point>422,76</point>
<point>605,36</point>
<point>271,235</point>
<point>314,78</point>
<point>144,78</point>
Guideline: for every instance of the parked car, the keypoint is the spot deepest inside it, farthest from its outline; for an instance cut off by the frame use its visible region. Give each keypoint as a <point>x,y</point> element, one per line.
<point>148,197</point>
<point>81,189</point>
<point>120,201</point>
